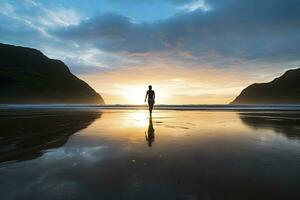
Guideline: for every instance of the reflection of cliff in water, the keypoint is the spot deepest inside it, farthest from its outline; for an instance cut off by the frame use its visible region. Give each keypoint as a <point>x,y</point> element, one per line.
<point>25,134</point>
<point>287,123</point>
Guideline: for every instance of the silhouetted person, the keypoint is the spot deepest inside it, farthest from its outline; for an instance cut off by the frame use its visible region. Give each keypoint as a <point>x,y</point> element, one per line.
<point>150,133</point>
<point>151,98</point>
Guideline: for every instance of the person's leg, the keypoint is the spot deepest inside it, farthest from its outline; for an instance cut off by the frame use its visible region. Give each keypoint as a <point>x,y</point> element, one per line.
<point>150,108</point>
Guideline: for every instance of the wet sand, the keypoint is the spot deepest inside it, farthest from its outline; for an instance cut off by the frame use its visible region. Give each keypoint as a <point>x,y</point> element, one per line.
<point>123,154</point>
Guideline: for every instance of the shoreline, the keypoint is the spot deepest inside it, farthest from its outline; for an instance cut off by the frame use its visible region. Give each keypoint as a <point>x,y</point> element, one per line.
<point>218,107</point>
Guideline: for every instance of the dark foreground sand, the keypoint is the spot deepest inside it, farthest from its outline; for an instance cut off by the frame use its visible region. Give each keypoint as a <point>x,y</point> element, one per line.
<point>122,154</point>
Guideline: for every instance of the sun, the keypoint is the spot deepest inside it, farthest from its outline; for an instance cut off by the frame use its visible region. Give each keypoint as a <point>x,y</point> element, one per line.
<point>134,94</point>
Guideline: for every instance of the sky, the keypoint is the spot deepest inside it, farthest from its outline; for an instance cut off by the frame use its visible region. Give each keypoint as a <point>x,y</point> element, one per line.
<point>191,51</point>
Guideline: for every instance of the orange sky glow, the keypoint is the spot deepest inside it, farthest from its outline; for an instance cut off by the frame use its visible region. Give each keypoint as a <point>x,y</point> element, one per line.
<point>176,85</point>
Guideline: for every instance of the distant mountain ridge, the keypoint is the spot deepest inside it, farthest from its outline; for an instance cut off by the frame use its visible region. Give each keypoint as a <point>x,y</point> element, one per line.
<point>282,90</point>
<point>28,76</point>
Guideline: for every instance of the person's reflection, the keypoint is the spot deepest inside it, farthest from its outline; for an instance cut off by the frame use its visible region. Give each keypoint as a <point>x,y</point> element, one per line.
<point>150,136</point>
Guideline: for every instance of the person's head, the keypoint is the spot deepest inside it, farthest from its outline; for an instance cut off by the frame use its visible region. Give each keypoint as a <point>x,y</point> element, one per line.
<point>150,87</point>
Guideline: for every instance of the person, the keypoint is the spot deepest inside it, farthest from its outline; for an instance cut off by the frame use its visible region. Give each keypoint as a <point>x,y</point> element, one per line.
<point>151,98</point>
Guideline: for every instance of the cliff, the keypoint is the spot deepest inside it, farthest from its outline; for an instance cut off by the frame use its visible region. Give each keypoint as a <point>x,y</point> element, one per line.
<point>28,76</point>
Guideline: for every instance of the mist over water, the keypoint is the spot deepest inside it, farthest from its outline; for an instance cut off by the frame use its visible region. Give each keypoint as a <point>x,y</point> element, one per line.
<point>97,153</point>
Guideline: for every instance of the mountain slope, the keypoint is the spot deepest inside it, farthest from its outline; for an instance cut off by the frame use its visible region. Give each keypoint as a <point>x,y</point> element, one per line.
<point>28,76</point>
<point>282,90</point>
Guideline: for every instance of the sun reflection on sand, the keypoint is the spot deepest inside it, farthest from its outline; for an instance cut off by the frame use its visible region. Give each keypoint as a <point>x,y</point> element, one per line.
<point>140,118</point>
<point>187,127</point>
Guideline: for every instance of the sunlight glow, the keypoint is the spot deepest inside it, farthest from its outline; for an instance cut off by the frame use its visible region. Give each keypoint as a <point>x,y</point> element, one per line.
<point>134,94</point>
<point>140,118</point>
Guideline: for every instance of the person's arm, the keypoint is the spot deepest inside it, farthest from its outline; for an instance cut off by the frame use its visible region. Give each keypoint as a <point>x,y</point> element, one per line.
<point>153,94</point>
<point>146,96</point>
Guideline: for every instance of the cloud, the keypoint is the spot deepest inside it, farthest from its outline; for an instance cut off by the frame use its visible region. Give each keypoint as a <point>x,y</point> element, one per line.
<point>112,32</point>
<point>232,33</point>
<point>176,2</point>
<point>34,18</point>
<point>256,30</point>
<point>59,17</point>
<point>195,5</point>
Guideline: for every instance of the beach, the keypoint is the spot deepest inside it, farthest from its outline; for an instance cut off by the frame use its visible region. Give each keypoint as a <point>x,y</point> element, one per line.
<point>117,153</point>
